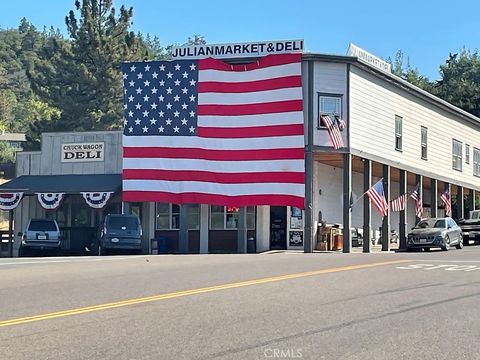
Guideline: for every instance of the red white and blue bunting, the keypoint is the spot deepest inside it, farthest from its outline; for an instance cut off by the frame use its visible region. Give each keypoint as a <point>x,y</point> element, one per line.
<point>50,201</point>
<point>97,200</point>
<point>10,201</point>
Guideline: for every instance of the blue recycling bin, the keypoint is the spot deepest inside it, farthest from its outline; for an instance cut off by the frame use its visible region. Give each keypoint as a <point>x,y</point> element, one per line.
<point>162,245</point>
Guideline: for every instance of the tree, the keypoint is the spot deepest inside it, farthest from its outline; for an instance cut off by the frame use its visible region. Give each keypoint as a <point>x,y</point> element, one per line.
<point>460,81</point>
<point>406,72</point>
<point>81,77</point>
<point>7,152</point>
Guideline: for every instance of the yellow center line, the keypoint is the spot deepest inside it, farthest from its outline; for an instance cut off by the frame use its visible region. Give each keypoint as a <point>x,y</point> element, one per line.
<point>146,299</point>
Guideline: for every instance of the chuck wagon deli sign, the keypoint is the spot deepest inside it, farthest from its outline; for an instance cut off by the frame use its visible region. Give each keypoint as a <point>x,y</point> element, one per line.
<point>236,50</point>
<point>83,152</point>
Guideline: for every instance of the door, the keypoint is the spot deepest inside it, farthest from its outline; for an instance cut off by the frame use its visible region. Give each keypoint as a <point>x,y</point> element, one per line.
<point>278,227</point>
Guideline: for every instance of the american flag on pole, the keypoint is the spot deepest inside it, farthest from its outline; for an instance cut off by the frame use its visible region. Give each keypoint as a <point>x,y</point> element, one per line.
<point>333,131</point>
<point>398,204</point>
<point>417,196</point>
<point>204,131</point>
<point>446,200</point>
<point>377,197</point>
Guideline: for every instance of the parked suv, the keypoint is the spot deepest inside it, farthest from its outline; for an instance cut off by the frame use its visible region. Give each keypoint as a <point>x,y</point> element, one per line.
<point>120,232</point>
<point>40,234</point>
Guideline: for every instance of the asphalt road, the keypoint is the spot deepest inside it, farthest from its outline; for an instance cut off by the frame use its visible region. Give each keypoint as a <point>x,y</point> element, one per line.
<point>257,306</point>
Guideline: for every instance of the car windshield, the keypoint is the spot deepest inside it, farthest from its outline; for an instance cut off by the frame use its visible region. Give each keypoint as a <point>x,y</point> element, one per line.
<point>42,225</point>
<point>424,224</point>
<point>439,224</point>
<point>117,223</point>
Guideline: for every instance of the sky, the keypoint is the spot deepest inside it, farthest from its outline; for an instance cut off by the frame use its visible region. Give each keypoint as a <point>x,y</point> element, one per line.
<point>425,30</point>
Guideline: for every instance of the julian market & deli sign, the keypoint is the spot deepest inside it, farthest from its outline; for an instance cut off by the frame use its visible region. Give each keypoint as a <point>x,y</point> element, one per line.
<point>82,152</point>
<point>237,50</point>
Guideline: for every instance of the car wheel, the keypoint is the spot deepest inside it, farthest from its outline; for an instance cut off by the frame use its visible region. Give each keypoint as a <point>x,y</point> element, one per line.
<point>446,244</point>
<point>459,245</point>
<point>426,249</point>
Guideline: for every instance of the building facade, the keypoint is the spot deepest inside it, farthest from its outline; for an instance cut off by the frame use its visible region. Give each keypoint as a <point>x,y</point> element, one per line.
<point>390,130</point>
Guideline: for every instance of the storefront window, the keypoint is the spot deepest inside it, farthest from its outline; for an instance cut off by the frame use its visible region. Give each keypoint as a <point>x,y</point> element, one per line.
<point>222,218</point>
<point>168,216</point>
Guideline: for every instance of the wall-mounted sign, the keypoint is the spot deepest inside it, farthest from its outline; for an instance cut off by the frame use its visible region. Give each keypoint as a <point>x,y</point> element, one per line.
<point>296,221</point>
<point>354,50</point>
<point>82,152</point>
<point>295,238</point>
<point>236,50</point>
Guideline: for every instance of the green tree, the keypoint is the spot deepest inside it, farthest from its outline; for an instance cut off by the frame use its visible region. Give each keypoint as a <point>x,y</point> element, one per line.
<point>82,77</point>
<point>460,81</point>
<point>7,153</point>
<point>408,73</point>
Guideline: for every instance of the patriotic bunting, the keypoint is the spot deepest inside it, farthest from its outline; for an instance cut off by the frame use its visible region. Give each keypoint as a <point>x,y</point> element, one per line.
<point>50,201</point>
<point>97,200</point>
<point>10,201</point>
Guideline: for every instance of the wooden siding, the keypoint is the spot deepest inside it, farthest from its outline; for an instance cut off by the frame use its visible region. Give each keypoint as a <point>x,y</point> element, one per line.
<point>374,102</point>
<point>48,161</point>
<point>329,78</point>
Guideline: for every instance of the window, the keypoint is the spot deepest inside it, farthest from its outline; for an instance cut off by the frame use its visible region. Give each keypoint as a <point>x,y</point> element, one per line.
<point>328,105</point>
<point>398,132</point>
<point>467,154</point>
<point>424,142</point>
<point>457,155</point>
<point>168,216</point>
<point>476,162</point>
<point>222,218</point>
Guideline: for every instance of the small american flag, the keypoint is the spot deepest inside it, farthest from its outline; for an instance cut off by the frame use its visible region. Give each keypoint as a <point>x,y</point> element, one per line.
<point>398,204</point>
<point>377,197</point>
<point>204,131</point>
<point>417,196</point>
<point>333,131</point>
<point>446,200</point>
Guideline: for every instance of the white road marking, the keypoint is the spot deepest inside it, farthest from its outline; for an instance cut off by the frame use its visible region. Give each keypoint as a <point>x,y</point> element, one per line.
<point>450,261</point>
<point>448,267</point>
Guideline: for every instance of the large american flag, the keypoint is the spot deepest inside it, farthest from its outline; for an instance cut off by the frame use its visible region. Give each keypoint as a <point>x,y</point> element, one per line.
<point>377,197</point>
<point>204,131</point>
<point>446,200</point>
<point>417,196</point>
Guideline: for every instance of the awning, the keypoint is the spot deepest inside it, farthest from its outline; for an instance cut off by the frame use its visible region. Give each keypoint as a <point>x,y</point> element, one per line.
<point>68,184</point>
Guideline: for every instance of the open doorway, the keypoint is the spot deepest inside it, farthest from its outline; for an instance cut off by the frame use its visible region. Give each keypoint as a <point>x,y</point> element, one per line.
<point>278,227</point>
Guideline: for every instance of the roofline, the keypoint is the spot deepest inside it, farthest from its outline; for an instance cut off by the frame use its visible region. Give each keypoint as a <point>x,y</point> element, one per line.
<point>397,81</point>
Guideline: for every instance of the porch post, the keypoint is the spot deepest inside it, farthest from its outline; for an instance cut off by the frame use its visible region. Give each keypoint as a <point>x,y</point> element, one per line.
<point>460,203</point>
<point>386,218</point>
<point>347,210</point>
<point>433,198</point>
<point>242,230</point>
<point>419,179</point>
<point>403,213</point>
<point>367,205</point>
<point>183,231</point>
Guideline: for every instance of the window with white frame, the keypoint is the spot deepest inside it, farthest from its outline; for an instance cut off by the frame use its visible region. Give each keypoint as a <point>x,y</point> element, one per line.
<point>226,217</point>
<point>398,132</point>
<point>167,216</point>
<point>424,144</point>
<point>476,162</point>
<point>329,104</point>
<point>467,154</point>
<point>457,154</point>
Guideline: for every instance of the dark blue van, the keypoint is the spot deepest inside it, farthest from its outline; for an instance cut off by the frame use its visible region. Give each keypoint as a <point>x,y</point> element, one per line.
<point>120,232</point>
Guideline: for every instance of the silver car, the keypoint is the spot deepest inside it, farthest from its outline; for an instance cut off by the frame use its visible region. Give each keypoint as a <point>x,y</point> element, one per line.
<point>435,233</point>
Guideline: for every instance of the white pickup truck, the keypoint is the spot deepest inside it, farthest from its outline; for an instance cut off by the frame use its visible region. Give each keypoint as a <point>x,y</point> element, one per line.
<point>471,227</point>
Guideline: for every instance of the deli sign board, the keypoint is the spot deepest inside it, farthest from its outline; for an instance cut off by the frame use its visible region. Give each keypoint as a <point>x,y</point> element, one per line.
<point>83,152</point>
<point>237,50</point>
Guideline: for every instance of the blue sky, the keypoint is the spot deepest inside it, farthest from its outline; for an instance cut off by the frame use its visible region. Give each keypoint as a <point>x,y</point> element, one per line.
<point>425,30</point>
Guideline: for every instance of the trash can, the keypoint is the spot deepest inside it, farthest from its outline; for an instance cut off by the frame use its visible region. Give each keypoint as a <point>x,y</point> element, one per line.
<point>251,245</point>
<point>162,245</point>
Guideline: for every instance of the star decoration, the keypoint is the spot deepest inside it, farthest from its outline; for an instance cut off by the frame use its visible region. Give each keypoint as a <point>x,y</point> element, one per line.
<point>147,68</point>
<point>176,128</point>
<point>133,68</point>
<point>145,129</point>
<point>177,67</point>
